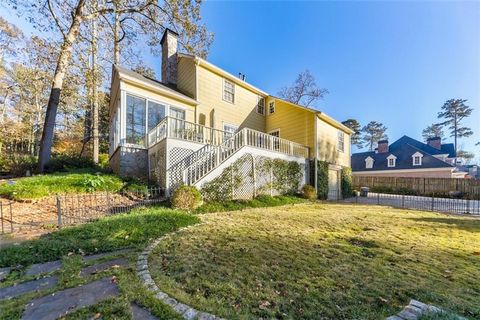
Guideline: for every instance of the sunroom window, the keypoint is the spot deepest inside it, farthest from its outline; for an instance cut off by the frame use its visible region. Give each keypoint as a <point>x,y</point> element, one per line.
<point>156,112</point>
<point>135,126</point>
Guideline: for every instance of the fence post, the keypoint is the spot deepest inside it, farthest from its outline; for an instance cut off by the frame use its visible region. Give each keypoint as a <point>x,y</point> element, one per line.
<point>1,215</point>
<point>378,198</point>
<point>433,201</point>
<point>468,206</point>
<point>403,201</point>
<point>59,212</point>
<point>11,217</point>
<point>108,203</point>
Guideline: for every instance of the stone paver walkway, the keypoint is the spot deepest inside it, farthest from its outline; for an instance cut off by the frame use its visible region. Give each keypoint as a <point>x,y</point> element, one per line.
<point>60,303</point>
<point>26,287</point>
<point>47,267</point>
<point>140,313</point>
<point>4,273</point>
<point>96,268</point>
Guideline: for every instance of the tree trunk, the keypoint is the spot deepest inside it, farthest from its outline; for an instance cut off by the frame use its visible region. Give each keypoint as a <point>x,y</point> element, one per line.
<point>57,85</point>
<point>94,93</point>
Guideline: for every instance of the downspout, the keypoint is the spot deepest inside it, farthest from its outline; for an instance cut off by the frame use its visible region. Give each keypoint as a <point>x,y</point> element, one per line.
<point>197,63</point>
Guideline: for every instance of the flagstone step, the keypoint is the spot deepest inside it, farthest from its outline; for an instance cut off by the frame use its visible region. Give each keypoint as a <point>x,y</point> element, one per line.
<point>27,287</point>
<point>4,273</point>
<point>60,303</point>
<point>96,268</point>
<point>39,268</point>
<point>51,266</point>
<point>140,313</point>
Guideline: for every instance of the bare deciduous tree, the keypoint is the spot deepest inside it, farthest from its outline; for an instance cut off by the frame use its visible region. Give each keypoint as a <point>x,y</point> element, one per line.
<point>304,90</point>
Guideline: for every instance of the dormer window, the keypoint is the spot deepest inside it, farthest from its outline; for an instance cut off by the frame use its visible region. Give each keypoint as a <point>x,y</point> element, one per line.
<point>391,161</point>
<point>417,159</point>
<point>369,163</point>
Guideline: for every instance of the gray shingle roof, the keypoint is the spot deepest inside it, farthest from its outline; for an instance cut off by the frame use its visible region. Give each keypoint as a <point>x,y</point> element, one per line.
<point>403,149</point>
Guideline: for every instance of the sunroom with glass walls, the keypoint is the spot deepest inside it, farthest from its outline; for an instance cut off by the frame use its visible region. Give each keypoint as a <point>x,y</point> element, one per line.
<point>141,114</point>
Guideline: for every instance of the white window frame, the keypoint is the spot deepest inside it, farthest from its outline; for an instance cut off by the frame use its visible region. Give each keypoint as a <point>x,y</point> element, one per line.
<point>419,156</point>
<point>271,103</point>
<point>341,141</point>
<point>122,123</point>
<point>391,161</point>
<point>276,142</point>
<point>225,81</point>
<point>226,124</point>
<point>273,131</point>
<point>260,98</point>
<point>369,162</point>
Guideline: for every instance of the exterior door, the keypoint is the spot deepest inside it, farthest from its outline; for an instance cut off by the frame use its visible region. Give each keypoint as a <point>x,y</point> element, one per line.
<point>177,123</point>
<point>275,142</point>
<point>333,184</point>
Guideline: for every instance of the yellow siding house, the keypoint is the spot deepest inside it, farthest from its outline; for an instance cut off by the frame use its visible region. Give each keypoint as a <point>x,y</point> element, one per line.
<point>157,127</point>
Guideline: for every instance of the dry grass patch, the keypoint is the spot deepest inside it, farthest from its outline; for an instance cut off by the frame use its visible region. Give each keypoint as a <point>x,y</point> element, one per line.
<point>329,261</point>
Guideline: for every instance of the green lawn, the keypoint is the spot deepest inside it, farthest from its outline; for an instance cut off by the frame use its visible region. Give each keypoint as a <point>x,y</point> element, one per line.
<point>329,261</point>
<point>77,181</point>
<point>134,230</point>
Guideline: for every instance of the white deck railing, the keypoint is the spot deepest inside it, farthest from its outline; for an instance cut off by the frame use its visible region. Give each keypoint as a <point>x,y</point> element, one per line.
<point>211,156</point>
<point>180,129</point>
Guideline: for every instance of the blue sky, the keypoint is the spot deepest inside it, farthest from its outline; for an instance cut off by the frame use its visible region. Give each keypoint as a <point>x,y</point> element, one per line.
<point>393,62</point>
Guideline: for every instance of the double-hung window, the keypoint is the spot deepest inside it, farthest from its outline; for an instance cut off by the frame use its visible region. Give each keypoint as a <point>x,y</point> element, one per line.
<point>271,107</point>
<point>228,91</point>
<point>261,106</point>
<point>341,141</point>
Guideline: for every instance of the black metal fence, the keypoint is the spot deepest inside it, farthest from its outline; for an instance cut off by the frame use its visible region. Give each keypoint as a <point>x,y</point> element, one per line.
<point>64,210</point>
<point>430,203</point>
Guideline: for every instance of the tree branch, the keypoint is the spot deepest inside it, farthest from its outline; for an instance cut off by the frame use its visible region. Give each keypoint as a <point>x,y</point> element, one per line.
<point>55,18</point>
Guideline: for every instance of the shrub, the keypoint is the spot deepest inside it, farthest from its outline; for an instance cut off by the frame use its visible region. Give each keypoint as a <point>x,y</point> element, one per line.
<point>103,162</point>
<point>186,198</point>
<point>309,192</point>
<point>65,162</point>
<point>346,182</point>
<point>322,180</point>
<point>92,183</point>
<point>18,165</point>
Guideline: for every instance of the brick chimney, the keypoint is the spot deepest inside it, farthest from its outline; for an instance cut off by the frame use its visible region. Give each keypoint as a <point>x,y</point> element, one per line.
<point>382,146</point>
<point>169,44</point>
<point>435,142</point>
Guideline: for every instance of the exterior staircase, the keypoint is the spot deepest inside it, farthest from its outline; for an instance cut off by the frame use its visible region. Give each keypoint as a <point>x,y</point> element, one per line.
<point>207,159</point>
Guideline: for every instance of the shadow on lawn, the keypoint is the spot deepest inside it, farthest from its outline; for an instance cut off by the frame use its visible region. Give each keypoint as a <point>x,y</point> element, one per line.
<point>466,224</point>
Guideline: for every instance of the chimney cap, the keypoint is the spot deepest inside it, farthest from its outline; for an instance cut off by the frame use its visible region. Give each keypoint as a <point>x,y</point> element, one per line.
<point>383,141</point>
<point>168,30</point>
<point>433,138</point>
